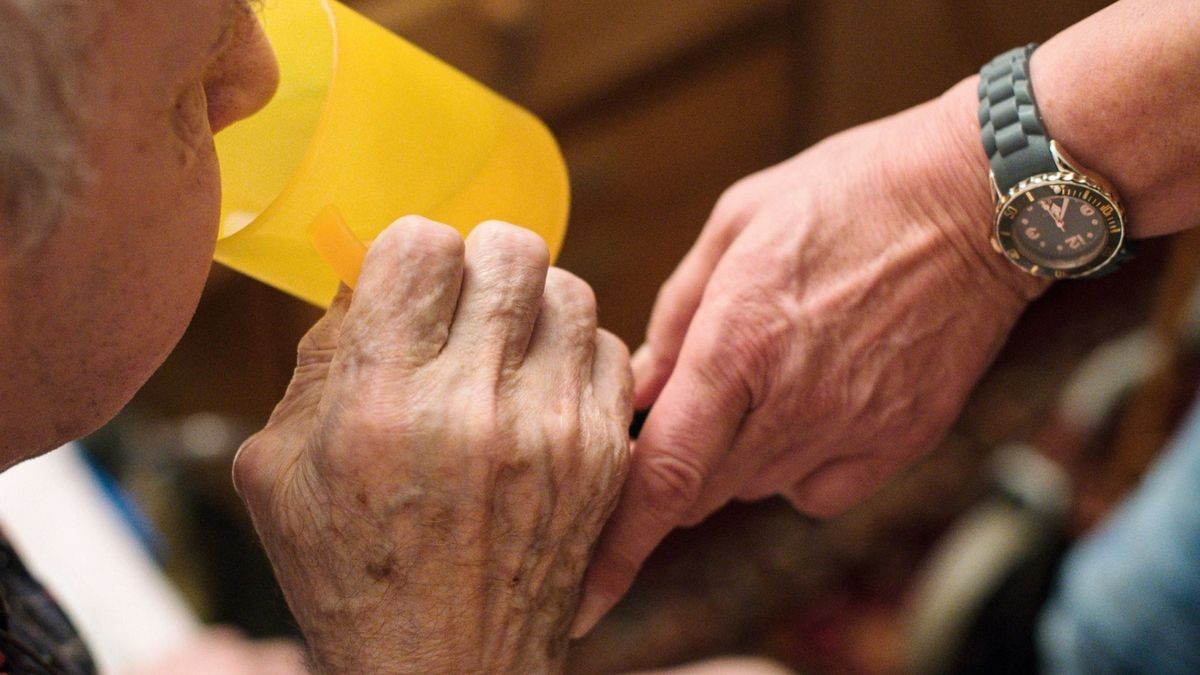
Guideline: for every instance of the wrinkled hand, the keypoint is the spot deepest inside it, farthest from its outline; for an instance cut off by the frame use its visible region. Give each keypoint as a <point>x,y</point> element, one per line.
<point>431,487</point>
<point>823,332</point>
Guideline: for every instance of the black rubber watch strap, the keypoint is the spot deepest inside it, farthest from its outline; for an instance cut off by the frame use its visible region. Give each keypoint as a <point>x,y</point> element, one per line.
<point>1014,137</point>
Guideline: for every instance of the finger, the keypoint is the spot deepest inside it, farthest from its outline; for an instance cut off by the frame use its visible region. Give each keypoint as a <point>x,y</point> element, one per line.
<point>749,456</point>
<point>839,484</point>
<point>324,333</point>
<point>321,341</point>
<point>612,380</point>
<point>406,295</point>
<point>564,334</point>
<point>787,465</point>
<point>503,284</point>
<point>686,435</point>
<point>313,356</point>
<point>676,304</point>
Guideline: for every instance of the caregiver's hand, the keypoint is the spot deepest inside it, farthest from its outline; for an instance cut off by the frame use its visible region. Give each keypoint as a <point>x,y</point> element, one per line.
<point>822,333</point>
<point>455,435</point>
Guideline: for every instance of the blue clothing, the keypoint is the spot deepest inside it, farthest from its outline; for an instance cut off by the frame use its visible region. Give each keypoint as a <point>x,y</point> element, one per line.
<point>1128,599</point>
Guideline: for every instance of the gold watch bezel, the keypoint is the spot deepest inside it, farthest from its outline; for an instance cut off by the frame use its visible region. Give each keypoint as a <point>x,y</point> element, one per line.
<point>1069,181</point>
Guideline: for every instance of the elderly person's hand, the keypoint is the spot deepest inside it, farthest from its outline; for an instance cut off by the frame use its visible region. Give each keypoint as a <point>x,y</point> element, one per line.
<point>431,487</point>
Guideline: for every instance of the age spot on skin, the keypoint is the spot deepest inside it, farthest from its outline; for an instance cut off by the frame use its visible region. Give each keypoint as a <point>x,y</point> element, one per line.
<point>381,569</point>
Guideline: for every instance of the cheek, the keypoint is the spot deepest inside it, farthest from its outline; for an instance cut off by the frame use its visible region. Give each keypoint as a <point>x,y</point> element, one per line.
<point>148,244</point>
<point>112,290</point>
<point>169,258</point>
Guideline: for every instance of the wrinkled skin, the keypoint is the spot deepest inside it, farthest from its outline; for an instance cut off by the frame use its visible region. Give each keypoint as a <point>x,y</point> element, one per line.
<point>802,348</point>
<point>797,268</point>
<point>89,311</point>
<point>838,308</point>
<point>430,488</point>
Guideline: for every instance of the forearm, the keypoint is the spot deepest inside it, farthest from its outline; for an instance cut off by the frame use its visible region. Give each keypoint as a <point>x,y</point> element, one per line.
<point>1121,92</point>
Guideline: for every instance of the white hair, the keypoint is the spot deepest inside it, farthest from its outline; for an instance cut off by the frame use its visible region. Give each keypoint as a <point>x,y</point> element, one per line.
<point>41,52</point>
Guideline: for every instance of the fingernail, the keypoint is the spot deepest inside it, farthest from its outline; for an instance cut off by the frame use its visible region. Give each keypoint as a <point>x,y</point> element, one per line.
<point>591,610</point>
<point>642,359</point>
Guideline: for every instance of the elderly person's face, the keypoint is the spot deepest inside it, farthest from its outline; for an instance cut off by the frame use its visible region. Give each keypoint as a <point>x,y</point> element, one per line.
<point>89,312</point>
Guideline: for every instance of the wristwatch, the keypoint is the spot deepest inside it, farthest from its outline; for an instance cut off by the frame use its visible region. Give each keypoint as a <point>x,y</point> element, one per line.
<point>1053,219</point>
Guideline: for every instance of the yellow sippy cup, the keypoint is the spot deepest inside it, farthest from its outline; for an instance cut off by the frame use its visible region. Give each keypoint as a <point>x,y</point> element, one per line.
<point>366,128</point>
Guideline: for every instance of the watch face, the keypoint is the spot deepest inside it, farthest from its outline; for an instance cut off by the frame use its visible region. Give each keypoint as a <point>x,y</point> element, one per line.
<point>1060,229</point>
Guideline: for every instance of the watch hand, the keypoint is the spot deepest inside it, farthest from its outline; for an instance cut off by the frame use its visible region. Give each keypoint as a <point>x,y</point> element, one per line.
<point>1055,213</point>
<point>1050,209</point>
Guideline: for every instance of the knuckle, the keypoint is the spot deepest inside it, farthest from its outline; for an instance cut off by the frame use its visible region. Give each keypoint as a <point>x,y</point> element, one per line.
<point>612,345</point>
<point>672,484</point>
<point>251,465</point>
<point>513,243</point>
<point>570,290</point>
<point>412,222</point>
<point>615,353</point>
<point>417,237</point>
<point>733,202</point>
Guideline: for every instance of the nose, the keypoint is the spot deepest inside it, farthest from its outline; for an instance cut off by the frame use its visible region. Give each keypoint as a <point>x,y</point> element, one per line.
<point>243,77</point>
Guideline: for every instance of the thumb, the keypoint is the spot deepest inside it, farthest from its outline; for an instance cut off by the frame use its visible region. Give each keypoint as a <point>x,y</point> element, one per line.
<point>313,356</point>
<point>258,462</point>
<point>687,433</point>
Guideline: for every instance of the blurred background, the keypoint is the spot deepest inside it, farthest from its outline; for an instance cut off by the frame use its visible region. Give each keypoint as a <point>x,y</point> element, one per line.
<point>660,105</point>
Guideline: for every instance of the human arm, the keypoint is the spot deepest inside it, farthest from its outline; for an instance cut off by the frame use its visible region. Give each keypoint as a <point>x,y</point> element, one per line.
<point>1119,91</point>
<point>431,486</point>
<point>835,313</point>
